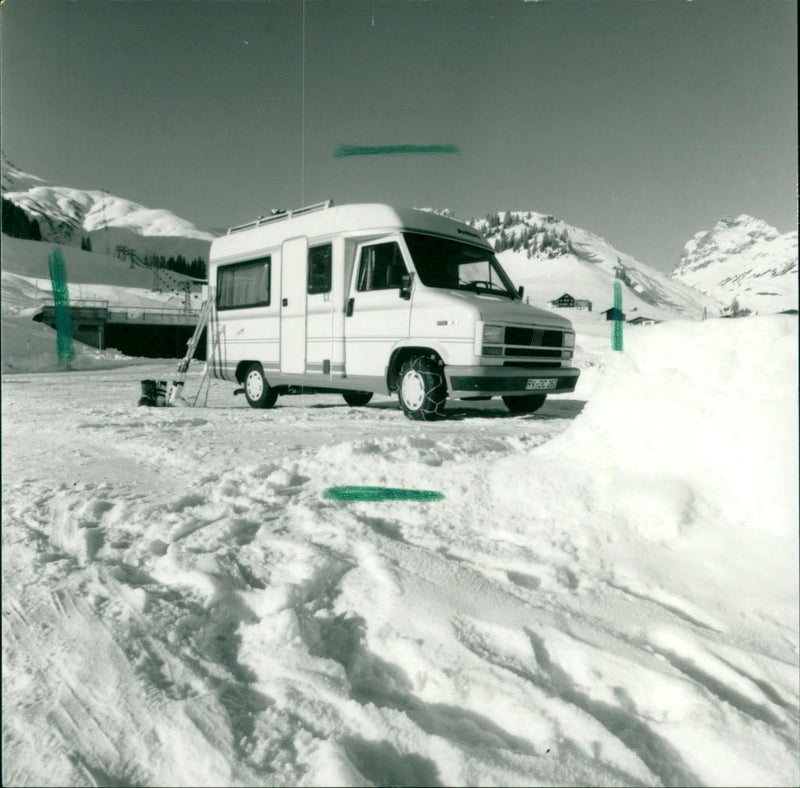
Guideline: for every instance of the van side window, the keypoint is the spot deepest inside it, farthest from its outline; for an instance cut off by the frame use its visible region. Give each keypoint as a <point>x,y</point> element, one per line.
<point>244,285</point>
<point>381,268</point>
<point>319,269</point>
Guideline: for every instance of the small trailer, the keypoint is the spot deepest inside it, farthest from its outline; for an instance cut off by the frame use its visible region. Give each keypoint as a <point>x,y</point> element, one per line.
<point>369,298</point>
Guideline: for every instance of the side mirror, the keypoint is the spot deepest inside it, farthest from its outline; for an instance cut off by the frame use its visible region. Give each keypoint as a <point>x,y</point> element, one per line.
<point>405,285</point>
<point>521,292</point>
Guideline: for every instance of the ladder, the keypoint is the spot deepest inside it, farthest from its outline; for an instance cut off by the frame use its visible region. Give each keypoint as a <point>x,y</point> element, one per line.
<point>191,346</point>
<point>206,379</point>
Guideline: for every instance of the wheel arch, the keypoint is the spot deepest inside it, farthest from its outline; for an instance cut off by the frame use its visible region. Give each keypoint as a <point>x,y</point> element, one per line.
<point>402,354</point>
<point>243,366</point>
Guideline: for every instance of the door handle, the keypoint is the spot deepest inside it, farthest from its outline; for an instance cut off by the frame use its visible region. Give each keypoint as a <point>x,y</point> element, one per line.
<point>285,302</point>
<point>350,304</point>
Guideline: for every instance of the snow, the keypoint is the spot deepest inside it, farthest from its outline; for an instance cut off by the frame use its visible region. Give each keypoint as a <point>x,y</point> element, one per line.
<point>67,215</point>
<point>28,346</point>
<point>746,259</point>
<point>585,265</point>
<point>607,593</point>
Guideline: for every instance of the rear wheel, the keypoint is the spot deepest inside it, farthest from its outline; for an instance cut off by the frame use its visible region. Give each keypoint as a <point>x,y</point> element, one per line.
<point>256,389</point>
<point>526,403</point>
<point>422,389</point>
<point>357,398</point>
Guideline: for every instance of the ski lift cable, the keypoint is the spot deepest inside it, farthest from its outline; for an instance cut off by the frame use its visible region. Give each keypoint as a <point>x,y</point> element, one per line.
<point>303,112</point>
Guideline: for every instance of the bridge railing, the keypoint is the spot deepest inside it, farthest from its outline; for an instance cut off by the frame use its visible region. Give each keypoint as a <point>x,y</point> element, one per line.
<point>88,309</point>
<point>101,310</point>
<point>93,303</point>
<point>152,314</point>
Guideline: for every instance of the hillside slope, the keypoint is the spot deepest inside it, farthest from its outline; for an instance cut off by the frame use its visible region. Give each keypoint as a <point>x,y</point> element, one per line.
<point>550,257</point>
<point>30,346</point>
<point>68,215</point>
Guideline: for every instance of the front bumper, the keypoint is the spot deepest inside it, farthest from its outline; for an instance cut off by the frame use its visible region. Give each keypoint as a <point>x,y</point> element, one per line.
<point>478,381</point>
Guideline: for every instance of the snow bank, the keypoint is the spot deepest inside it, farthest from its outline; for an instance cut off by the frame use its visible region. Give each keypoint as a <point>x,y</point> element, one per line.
<point>712,408</point>
<point>678,484</point>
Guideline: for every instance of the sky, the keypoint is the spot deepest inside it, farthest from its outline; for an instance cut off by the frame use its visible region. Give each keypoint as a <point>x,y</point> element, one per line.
<point>644,122</point>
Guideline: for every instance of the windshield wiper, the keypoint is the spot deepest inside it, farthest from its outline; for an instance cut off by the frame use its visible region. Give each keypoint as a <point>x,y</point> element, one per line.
<point>485,288</point>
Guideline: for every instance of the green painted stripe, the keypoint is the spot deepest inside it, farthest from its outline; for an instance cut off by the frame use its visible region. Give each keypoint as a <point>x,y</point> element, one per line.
<point>386,150</point>
<point>356,493</point>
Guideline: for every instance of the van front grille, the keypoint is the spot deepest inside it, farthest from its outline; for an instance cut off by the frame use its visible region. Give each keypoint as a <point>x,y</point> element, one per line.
<point>533,337</point>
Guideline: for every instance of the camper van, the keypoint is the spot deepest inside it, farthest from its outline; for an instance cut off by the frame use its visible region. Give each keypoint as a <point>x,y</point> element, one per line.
<point>369,298</point>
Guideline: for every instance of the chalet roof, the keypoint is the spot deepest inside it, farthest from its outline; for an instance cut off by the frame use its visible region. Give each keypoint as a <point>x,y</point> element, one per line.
<point>568,295</point>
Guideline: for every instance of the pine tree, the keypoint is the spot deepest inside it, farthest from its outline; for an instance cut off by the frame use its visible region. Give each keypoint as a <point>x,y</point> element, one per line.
<point>16,222</point>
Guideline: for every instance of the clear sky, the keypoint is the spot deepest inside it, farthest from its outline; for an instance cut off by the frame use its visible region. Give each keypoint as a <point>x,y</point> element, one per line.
<point>641,121</point>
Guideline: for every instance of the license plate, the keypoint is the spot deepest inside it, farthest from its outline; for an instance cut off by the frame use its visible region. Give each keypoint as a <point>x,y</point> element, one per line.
<point>541,383</point>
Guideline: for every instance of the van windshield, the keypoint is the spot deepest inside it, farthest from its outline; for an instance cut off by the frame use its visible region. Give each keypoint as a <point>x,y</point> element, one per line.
<point>454,265</point>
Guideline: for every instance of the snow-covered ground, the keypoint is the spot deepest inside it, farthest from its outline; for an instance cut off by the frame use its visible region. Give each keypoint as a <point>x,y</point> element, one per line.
<point>607,594</point>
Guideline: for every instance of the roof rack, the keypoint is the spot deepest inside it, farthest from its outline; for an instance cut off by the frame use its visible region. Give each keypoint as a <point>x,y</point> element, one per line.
<point>278,216</point>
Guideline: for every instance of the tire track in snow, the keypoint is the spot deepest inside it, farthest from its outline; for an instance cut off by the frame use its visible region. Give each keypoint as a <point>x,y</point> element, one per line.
<point>663,762</point>
<point>207,664</point>
<point>375,682</point>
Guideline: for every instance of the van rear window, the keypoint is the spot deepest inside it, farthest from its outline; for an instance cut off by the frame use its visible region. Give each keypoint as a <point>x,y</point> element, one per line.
<point>243,285</point>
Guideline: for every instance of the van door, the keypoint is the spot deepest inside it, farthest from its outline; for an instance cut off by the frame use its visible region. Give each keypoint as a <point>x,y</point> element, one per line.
<point>376,315</point>
<point>294,263</point>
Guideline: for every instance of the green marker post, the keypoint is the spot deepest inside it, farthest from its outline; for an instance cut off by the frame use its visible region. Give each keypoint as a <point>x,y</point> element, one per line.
<point>361,493</point>
<point>616,339</point>
<point>58,279</point>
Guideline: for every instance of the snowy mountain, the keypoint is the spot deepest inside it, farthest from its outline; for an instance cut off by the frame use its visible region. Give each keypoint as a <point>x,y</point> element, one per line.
<point>546,255</point>
<point>550,257</point>
<point>68,215</point>
<point>742,258</point>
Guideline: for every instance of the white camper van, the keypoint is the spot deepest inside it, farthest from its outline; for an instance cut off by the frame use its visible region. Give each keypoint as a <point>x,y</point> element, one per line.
<point>359,299</point>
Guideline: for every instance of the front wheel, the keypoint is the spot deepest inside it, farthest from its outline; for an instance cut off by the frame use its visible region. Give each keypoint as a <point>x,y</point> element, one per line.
<point>526,403</point>
<point>422,389</point>
<point>258,392</point>
<point>357,398</point>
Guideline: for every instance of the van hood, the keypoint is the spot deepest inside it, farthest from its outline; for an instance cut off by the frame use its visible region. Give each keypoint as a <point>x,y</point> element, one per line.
<point>503,310</point>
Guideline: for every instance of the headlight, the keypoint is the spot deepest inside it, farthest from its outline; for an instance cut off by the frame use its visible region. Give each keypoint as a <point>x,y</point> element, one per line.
<point>493,335</point>
<point>569,340</point>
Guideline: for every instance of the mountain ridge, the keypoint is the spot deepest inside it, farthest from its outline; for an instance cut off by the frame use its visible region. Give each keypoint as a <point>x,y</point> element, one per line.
<point>539,250</point>
<point>535,248</point>
<point>743,259</point>
<point>67,215</point>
